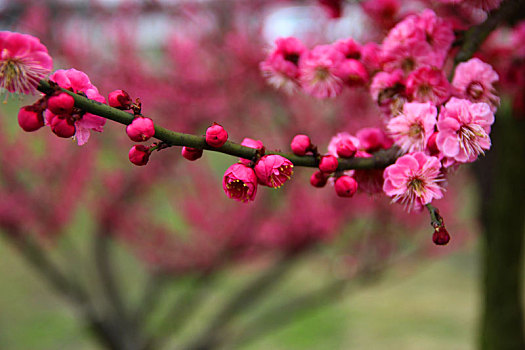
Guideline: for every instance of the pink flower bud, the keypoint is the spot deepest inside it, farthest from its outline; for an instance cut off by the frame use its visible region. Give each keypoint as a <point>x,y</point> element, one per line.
<point>273,170</point>
<point>440,236</point>
<point>240,182</point>
<point>140,129</point>
<point>345,186</point>
<point>30,118</point>
<point>216,136</point>
<point>318,179</point>
<point>119,99</point>
<point>301,144</point>
<point>139,155</point>
<point>345,148</point>
<point>257,144</point>
<point>62,126</point>
<point>61,104</point>
<point>328,164</point>
<point>191,153</point>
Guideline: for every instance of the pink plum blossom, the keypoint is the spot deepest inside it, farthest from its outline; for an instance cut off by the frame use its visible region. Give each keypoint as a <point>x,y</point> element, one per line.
<point>78,81</point>
<point>281,68</point>
<point>412,128</point>
<point>373,139</point>
<point>240,182</point>
<point>349,48</point>
<point>273,170</point>
<point>475,81</point>
<point>463,129</point>
<point>438,33</point>
<point>24,61</point>
<point>319,72</point>
<point>414,180</point>
<point>389,91</point>
<point>340,141</point>
<point>428,84</point>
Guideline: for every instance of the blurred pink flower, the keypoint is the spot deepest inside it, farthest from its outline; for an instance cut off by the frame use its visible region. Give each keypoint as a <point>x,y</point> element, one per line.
<point>281,68</point>
<point>24,61</point>
<point>412,129</point>
<point>463,129</point>
<point>414,180</point>
<point>474,80</point>
<point>240,182</point>
<point>319,72</point>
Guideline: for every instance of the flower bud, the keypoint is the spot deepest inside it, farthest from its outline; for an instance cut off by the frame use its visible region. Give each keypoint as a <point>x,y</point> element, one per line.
<point>328,164</point>
<point>345,186</point>
<point>30,118</point>
<point>61,104</point>
<point>119,99</point>
<point>273,170</point>
<point>216,136</point>
<point>301,144</point>
<point>240,182</point>
<point>141,129</point>
<point>62,126</point>
<point>440,236</point>
<point>257,144</point>
<point>345,148</point>
<point>139,155</point>
<point>318,179</point>
<point>191,153</point>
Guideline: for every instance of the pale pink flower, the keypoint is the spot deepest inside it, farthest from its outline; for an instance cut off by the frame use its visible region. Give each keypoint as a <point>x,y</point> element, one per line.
<point>78,81</point>
<point>414,180</point>
<point>24,61</point>
<point>273,170</point>
<point>463,129</point>
<point>319,69</point>
<point>240,182</point>
<point>412,129</point>
<point>281,68</point>
<point>474,80</point>
<point>428,84</point>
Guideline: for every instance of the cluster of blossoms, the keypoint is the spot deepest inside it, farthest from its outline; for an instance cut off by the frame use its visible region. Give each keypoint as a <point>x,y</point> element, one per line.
<point>433,123</point>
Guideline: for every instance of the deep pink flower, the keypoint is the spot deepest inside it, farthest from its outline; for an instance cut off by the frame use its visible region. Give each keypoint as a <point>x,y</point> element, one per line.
<point>414,180</point>
<point>474,80</point>
<point>388,90</point>
<point>333,8</point>
<point>139,155</point>
<point>191,153</point>
<point>345,186</point>
<point>240,182</point>
<point>301,144</point>
<point>30,118</point>
<point>61,104</point>
<point>319,71</point>
<point>412,128</point>
<point>349,48</point>
<point>463,129</point>
<point>382,11</point>
<point>119,99</point>
<point>78,81</point>
<point>428,84</point>
<point>141,129</point>
<point>24,61</point>
<point>273,170</point>
<point>281,68</point>
<point>438,33</point>
<point>328,164</point>
<point>216,135</point>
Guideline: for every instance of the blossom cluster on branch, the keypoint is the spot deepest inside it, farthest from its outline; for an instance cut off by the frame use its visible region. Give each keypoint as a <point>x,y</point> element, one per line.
<point>430,124</point>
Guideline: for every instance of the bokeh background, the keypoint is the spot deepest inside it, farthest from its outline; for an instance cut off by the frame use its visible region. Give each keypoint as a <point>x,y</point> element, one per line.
<point>97,253</point>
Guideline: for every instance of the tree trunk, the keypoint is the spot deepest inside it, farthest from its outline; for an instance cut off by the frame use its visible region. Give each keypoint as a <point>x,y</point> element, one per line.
<point>501,179</point>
